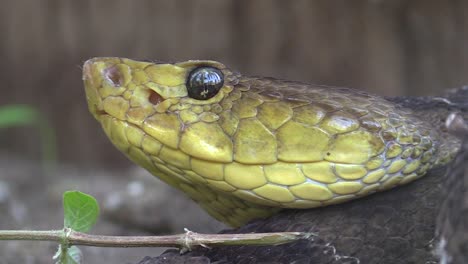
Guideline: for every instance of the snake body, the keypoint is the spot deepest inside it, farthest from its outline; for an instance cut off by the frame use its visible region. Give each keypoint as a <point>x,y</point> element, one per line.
<point>259,145</point>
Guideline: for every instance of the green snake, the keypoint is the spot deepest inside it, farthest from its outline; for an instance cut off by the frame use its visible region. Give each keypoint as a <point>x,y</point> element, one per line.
<point>246,147</point>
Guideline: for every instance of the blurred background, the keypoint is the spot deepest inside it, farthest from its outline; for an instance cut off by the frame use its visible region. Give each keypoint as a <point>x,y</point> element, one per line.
<point>388,47</point>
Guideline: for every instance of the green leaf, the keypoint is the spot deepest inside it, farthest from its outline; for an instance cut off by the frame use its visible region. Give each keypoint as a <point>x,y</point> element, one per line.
<point>71,255</point>
<point>14,115</point>
<point>74,256</point>
<point>80,211</point>
<point>24,115</point>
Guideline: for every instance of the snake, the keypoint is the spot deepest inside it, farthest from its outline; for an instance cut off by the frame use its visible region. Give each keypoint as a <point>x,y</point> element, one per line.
<point>247,147</point>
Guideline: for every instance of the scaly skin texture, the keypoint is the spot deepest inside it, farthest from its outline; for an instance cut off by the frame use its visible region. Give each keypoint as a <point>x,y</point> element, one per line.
<point>260,144</point>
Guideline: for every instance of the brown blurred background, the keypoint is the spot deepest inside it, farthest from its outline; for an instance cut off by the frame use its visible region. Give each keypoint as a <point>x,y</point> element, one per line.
<point>389,47</point>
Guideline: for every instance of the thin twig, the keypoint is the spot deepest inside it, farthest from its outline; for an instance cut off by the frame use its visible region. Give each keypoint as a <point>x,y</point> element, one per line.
<point>185,241</point>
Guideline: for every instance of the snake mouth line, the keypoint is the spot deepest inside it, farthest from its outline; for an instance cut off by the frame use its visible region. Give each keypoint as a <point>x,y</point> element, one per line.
<point>101,112</point>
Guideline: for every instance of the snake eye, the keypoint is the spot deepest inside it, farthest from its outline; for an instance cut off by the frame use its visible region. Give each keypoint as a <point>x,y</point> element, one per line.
<point>204,82</point>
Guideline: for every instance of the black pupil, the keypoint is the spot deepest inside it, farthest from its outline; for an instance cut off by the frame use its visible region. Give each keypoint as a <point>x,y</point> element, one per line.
<point>204,83</point>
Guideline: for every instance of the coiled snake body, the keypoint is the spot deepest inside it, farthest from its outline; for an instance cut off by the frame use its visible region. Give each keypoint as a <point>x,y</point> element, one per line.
<point>245,148</point>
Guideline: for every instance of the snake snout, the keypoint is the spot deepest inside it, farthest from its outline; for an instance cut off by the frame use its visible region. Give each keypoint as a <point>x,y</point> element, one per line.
<point>107,69</point>
<point>91,86</point>
<point>87,70</point>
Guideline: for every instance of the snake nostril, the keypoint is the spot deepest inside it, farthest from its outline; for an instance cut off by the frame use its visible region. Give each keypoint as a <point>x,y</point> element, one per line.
<point>113,76</point>
<point>154,97</point>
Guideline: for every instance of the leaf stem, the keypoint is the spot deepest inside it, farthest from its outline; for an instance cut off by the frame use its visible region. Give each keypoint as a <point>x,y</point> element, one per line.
<point>184,241</point>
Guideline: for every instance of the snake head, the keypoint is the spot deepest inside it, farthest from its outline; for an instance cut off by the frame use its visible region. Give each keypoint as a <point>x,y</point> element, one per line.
<point>162,99</point>
<point>159,86</point>
<point>234,143</point>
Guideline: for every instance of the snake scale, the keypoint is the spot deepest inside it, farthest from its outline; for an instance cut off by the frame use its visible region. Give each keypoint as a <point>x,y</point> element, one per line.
<point>246,147</point>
